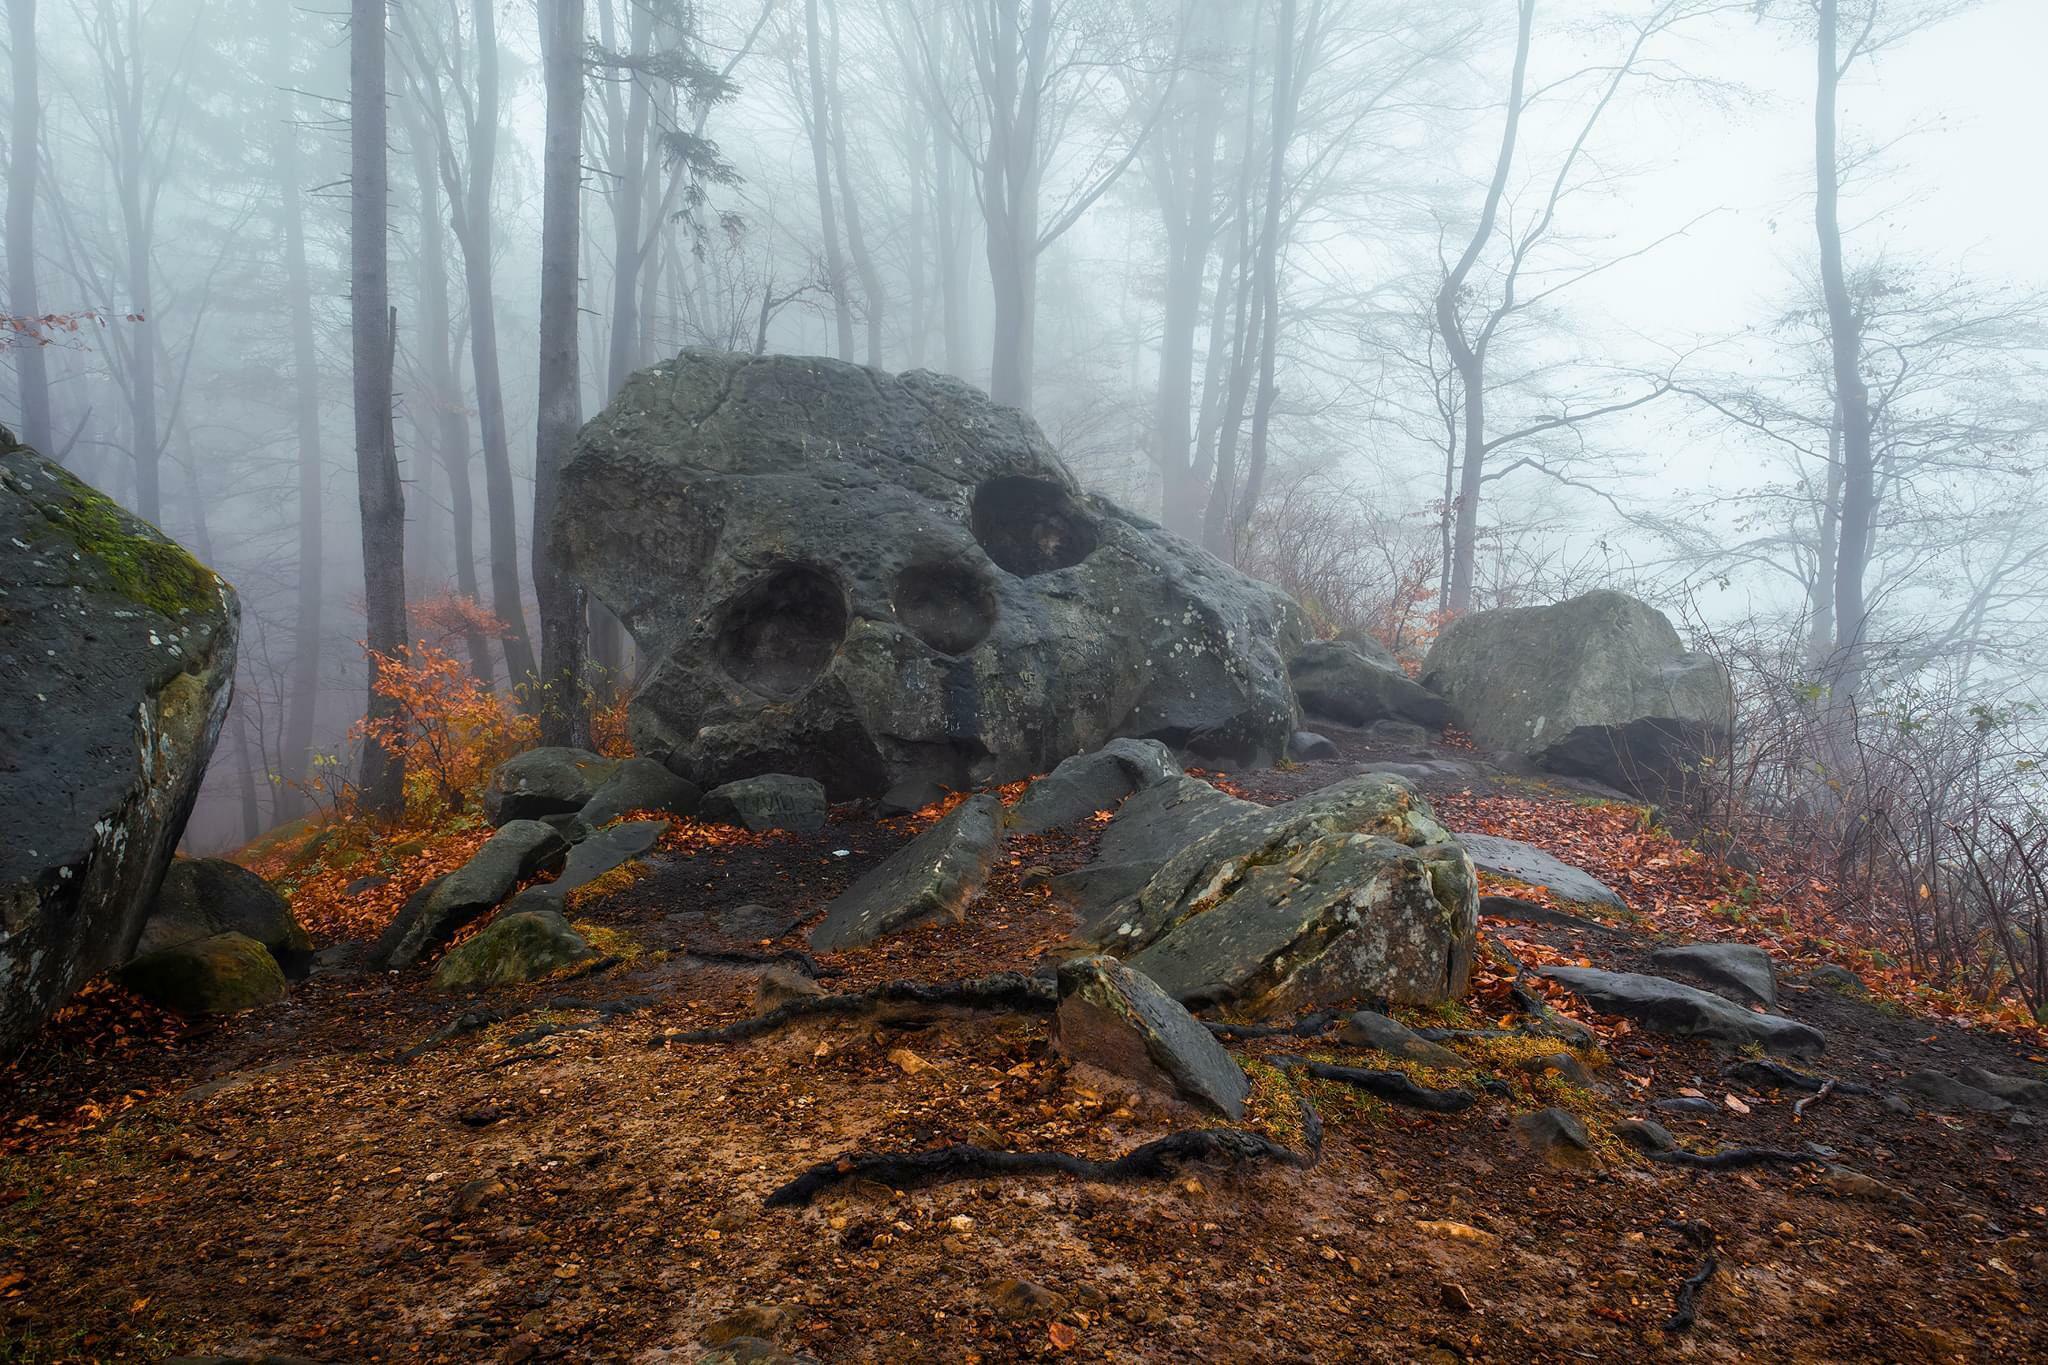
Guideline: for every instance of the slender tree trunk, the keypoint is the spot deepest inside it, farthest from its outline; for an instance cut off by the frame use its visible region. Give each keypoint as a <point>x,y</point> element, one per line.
<point>946,223</point>
<point>138,227</point>
<point>629,170</point>
<point>449,423</point>
<point>821,167</point>
<point>1470,360</point>
<point>856,242</point>
<point>1852,395</point>
<point>473,232</point>
<point>373,328</point>
<point>1186,194</point>
<point>1820,647</point>
<point>563,716</point>
<point>302,704</point>
<point>1284,97</point>
<point>24,161</point>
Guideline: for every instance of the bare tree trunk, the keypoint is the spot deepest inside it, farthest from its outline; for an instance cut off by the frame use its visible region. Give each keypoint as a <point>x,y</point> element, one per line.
<point>1185,173</point>
<point>450,424</point>
<point>373,329</point>
<point>946,225</point>
<point>1820,648</point>
<point>1852,395</point>
<point>856,242</point>
<point>24,161</point>
<point>1468,360</point>
<point>629,172</point>
<point>1285,95</point>
<point>138,222</point>
<point>302,705</point>
<point>563,716</point>
<point>821,165</point>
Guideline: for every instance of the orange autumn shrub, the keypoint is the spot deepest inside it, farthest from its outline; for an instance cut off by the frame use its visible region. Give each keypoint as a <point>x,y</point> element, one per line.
<point>451,727</point>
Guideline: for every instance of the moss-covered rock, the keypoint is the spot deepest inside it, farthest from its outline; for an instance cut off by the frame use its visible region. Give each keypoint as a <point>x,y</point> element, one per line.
<point>118,649</point>
<point>223,974</point>
<point>522,945</point>
<point>201,897</point>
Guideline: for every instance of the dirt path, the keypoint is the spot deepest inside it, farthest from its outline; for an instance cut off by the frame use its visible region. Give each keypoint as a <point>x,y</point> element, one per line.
<point>287,1186</point>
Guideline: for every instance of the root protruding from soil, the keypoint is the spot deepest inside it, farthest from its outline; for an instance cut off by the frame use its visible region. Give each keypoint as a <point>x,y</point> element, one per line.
<point>1685,1302</point>
<point>1001,993</point>
<point>1395,1087</point>
<point>1734,1158</point>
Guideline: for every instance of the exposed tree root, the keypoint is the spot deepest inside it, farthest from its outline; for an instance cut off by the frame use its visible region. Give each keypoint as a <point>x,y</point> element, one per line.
<point>946,1165</point>
<point>1393,1086</point>
<point>1799,1107</point>
<point>1734,1158</point>
<point>472,1021</point>
<point>1766,1074</point>
<point>1003,992</point>
<point>1686,1301</point>
<point>787,957</point>
<point>1308,1026</point>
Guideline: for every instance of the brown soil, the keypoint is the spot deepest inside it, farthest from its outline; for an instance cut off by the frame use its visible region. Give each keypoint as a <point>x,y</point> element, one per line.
<point>284,1185</point>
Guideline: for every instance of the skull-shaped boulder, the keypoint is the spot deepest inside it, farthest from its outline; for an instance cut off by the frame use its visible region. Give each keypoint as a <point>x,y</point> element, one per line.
<point>863,577</point>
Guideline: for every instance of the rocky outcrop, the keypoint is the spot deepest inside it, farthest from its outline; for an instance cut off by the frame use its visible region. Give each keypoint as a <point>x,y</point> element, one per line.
<point>118,651</point>
<point>1340,682</point>
<point>1114,1018</point>
<point>219,974</point>
<point>1531,866</point>
<point>545,781</point>
<point>519,849</point>
<point>1668,1007</point>
<point>201,897</point>
<point>770,801</point>
<point>1352,891</point>
<point>932,877</point>
<point>862,577</point>
<point>1599,687</point>
<point>1086,783</point>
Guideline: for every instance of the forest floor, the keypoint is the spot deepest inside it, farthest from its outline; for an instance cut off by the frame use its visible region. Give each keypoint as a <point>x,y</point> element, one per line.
<point>313,1181</point>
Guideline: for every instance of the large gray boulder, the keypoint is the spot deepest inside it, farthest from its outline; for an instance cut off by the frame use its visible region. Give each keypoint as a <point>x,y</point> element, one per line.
<point>201,897</point>
<point>1340,682</point>
<point>1114,1018</point>
<point>545,781</point>
<point>1600,687</point>
<point>1087,783</point>
<point>1353,891</point>
<point>1740,971</point>
<point>932,877</point>
<point>863,577</point>
<point>1665,1006</point>
<point>430,918</point>
<point>118,651</point>
<point>519,945</point>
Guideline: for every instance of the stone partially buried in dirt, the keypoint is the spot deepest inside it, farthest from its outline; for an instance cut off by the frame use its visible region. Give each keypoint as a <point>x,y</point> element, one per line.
<point>1351,891</point>
<point>1946,1092</point>
<point>1664,1006</point>
<point>220,974</point>
<point>201,897</point>
<point>519,945</point>
<point>1737,970</point>
<point>1086,783</point>
<point>1530,865</point>
<point>771,801</point>
<point>117,649</point>
<point>1117,1019</point>
<point>547,781</point>
<point>1306,746</point>
<point>1337,682</point>
<point>1365,1028</point>
<point>862,577</point>
<point>1599,686</point>
<point>1557,1136</point>
<point>934,876</point>
<point>519,849</point>
<point>2017,1089</point>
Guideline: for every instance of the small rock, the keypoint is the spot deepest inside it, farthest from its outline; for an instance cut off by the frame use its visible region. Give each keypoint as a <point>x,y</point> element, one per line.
<point>1685,1104</point>
<point>1828,976</point>
<point>1853,1184</point>
<point>1666,1006</point>
<point>519,945</point>
<point>1738,970</point>
<point>2016,1089</point>
<point>1455,1298</point>
<point>1116,1018</point>
<point>753,1351</point>
<point>1563,1063</point>
<point>908,1062</point>
<point>1306,746</point>
<point>772,801</point>
<point>779,985</point>
<point>472,1195</point>
<point>1086,783</point>
<point>1368,1029</point>
<point>1948,1093</point>
<point>1018,1299</point>
<point>1645,1135</point>
<point>762,1320</point>
<point>1558,1136</point>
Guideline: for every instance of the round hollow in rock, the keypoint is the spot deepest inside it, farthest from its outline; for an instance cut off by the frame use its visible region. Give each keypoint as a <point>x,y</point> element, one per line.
<point>781,630</point>
<point>948,606</point>
<point>1031,526</point>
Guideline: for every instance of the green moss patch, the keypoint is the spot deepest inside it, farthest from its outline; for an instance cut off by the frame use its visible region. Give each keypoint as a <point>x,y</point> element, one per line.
<point>142,564</point>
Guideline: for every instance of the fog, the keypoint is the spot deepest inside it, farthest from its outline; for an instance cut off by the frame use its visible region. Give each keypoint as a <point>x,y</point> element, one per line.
<point>1261,269</point>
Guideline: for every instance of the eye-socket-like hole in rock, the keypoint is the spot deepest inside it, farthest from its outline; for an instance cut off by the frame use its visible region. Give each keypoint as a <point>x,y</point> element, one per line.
<point>1031,526</point>
<point>948,606</point>
<point>782,630</point>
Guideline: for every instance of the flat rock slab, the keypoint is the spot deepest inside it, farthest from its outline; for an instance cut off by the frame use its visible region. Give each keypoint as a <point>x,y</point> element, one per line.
<point>1946,1092</point>
<point>1115,1018</point>
<point>1086,783</point>
<point>1306,746</point>
<point>594,856</point>
<point>2017,1089</point>
<point>933,876</point>
<point>1530,865</point>
<point>519,849</point>
<point>1515,910</point>
<point>772,801</point>
<point>1737,970</point>
<point>1665,1006</point>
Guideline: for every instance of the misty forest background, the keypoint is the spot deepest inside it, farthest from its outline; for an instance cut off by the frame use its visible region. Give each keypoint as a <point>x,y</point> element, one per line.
<point>1414,307</point>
